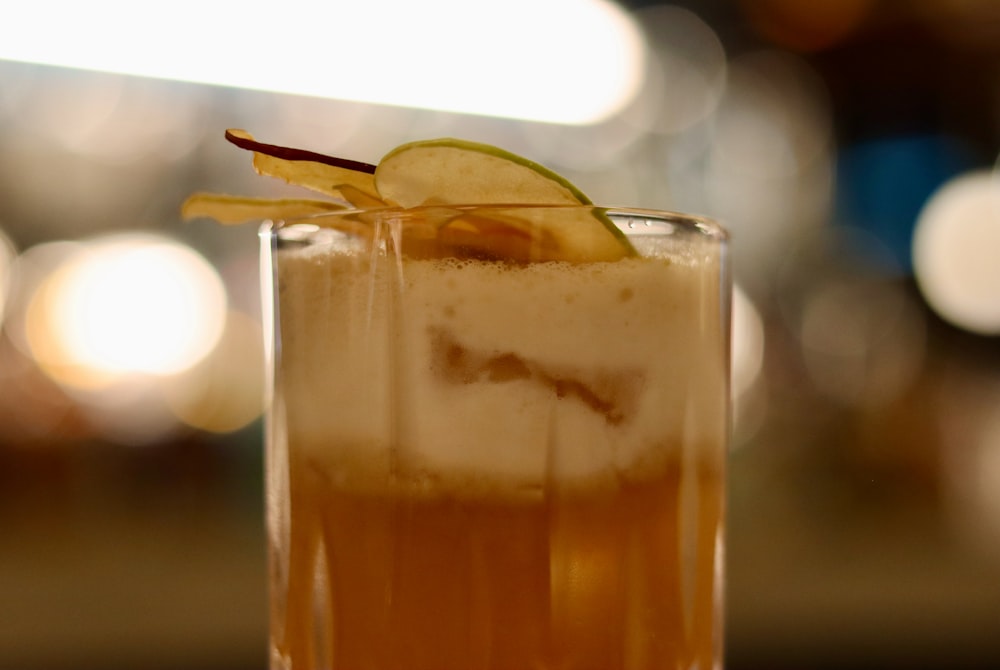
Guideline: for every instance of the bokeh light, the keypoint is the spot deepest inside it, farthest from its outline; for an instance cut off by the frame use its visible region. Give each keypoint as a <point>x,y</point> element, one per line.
<point>860,332</point>
<point>806,26</point>
<point>967,412</point>
<point>884,182</point>
<point>125,304</point>
<point>27,274</point>
<point>224,391</point>
<point>986,476</point>
<point>749,388</point>
<point>774,116</point>
<point>687,68</point>
<point>7,256</point>
<point>748,342</point>
<point>955,252</point>
<point>113,120</point>
<point>964,24</point>
<point>769,163</point>
<point>862,341</point>
<point>88,152</point>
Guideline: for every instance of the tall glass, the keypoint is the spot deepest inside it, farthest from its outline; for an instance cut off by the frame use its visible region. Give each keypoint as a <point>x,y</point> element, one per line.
<point>494,461</point>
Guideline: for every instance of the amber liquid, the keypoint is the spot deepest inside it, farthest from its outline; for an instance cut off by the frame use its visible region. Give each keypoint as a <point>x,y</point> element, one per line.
<point>618,577</point>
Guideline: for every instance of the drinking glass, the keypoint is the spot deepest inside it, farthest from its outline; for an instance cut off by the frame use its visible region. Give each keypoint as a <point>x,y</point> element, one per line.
<point>486,451</point>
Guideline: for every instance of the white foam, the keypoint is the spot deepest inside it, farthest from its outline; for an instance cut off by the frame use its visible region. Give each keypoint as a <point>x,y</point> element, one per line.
<point>500,372</point>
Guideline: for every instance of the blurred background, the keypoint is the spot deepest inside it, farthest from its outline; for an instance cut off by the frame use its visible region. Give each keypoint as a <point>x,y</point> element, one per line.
<point>850,146</point>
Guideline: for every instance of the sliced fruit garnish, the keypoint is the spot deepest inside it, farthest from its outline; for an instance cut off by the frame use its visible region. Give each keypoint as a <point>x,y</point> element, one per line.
<point>240,209</point>
<point>325,174</point>
<point>573,234</point>
<point>557,224</point>
<point>450,171</point>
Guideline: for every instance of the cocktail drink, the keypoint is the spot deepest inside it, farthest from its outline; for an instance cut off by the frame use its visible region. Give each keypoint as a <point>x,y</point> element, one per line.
<point>499,417</point>
<point>484,463</point>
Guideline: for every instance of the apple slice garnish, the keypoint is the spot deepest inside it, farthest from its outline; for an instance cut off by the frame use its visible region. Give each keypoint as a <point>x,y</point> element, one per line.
<point>451,173</point>
<point>460,172</point>
<point>232,209</point>
<point>336,177</point>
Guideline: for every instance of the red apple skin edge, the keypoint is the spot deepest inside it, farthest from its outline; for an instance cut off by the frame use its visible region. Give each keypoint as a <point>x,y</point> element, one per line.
<point>290,154</point>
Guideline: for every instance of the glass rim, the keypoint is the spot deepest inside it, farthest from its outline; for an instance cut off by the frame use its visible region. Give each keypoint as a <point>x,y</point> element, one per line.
<point>707,226</point>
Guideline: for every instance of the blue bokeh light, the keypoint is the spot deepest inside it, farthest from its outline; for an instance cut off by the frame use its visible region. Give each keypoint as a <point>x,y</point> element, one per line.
<point>883,183</point>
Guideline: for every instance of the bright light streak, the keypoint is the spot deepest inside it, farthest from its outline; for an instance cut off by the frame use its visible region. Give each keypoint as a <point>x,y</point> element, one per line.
<point>126,304</point>
<point>562,61</point>
<point>955,252</point>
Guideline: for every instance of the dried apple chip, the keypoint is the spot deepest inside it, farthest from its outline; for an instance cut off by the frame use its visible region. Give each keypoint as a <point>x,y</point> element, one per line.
<point>315,171</point>
<point>452,173</point>
<point>233,209</point>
